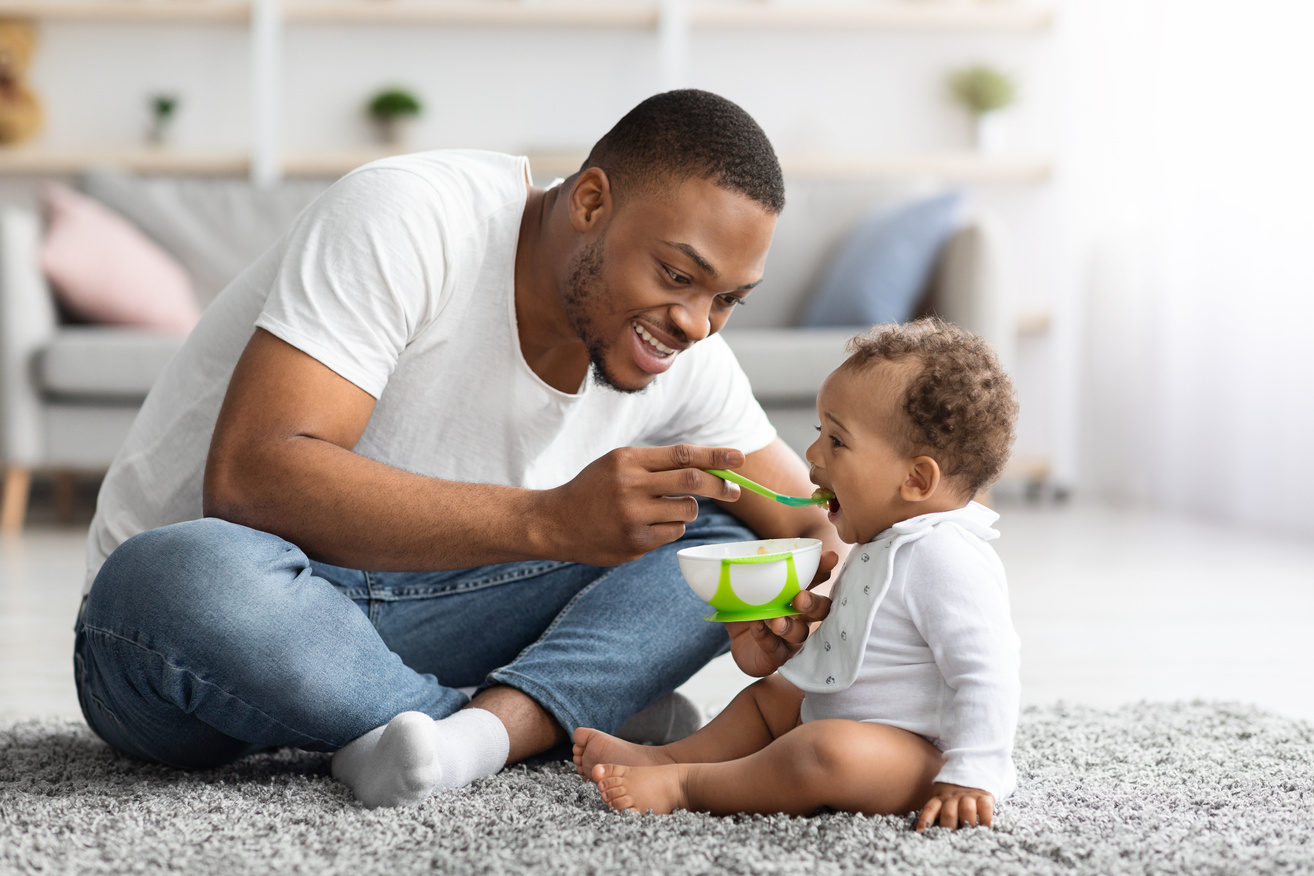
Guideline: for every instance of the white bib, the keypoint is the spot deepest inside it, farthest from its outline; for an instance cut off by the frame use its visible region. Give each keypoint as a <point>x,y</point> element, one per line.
<point>830,659</point>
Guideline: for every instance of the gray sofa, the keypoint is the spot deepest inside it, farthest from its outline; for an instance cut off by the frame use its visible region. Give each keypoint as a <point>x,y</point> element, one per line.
<point>69,393</point>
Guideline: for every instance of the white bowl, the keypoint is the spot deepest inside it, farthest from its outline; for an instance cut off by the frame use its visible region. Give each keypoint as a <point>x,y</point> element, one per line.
<point>750,580</point>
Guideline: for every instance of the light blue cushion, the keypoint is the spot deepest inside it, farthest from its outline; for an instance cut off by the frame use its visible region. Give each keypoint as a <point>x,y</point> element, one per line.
<point>881,269</point>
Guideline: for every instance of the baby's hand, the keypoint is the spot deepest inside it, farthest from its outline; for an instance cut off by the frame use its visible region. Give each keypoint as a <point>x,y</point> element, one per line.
<point>957,806</point>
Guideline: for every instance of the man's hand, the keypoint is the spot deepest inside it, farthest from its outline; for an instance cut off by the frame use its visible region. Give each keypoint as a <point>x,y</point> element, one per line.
<point>632,500</point>
<point>956,806</point>
<point>762,647</point>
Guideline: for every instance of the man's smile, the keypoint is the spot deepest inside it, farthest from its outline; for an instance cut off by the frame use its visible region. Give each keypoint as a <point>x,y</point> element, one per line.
<point>648,338</point>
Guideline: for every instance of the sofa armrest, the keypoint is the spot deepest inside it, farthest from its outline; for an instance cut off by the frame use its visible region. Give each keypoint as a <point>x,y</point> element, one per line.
<point>27,323</point>
<point>971,286</point>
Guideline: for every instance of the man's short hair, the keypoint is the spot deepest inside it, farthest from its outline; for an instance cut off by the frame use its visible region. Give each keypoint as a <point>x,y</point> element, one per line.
<point>685,134</point>
<point>960,405</point>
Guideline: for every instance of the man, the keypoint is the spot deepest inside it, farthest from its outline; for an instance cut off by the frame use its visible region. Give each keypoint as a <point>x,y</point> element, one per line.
<point>402,385</point>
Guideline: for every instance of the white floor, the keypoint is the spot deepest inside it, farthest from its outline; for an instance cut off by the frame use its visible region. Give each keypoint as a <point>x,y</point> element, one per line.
<point>1112,607</point>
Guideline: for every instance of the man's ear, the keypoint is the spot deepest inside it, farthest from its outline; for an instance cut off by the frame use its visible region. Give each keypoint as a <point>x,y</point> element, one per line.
<point>922,480</point>
<point>590,200</point>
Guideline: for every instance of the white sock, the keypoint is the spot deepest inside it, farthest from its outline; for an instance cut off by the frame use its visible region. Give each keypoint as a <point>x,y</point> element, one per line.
<point>413,756</point>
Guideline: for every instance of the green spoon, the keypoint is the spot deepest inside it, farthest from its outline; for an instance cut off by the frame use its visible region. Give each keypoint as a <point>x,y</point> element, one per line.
<point>792,501</point>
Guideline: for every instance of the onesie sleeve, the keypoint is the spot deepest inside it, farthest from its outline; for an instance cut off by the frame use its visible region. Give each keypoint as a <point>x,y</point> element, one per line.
<point>958,600</point>
<point>362,274</point>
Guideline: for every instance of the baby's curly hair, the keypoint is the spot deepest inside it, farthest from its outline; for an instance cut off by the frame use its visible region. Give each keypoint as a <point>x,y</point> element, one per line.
<point>961,405</point>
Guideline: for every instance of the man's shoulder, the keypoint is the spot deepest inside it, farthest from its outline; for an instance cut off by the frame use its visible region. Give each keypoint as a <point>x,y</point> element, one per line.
<point>469,169</point>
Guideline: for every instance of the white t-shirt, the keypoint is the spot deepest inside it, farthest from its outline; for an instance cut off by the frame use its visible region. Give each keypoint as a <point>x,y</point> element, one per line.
<point>400,278</point>
<point>919,637</point>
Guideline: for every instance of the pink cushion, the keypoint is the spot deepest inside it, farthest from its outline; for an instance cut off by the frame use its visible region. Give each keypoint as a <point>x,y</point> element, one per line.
<point>104,270</point>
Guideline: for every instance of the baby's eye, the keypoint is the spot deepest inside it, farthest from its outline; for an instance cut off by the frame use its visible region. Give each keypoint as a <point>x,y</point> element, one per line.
<point>835,442</point>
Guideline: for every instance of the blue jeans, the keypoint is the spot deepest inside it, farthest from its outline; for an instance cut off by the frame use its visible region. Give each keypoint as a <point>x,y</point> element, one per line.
<point>205,641</point>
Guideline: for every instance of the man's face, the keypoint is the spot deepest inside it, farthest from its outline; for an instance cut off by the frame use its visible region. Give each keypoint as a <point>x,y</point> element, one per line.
<point>666,272</point>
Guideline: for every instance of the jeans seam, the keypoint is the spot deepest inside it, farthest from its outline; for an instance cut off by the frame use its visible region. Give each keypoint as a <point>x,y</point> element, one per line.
<point>403,594</point>
<point>199,680</point>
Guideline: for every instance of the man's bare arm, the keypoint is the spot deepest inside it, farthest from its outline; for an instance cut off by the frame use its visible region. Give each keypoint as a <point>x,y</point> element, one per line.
<point>281,460</point>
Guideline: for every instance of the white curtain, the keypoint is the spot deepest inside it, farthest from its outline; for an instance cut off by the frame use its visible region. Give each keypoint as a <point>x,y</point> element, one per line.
<point>1189,173</point>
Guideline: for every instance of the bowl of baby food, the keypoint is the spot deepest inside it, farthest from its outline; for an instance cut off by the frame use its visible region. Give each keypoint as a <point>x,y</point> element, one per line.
<point>750,580</point>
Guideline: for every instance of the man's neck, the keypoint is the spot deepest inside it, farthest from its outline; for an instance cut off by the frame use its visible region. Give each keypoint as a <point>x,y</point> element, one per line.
<point>548,340</point>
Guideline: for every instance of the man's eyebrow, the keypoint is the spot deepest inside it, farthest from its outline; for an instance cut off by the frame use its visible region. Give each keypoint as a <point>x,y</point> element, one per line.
<point>695,255</point>
<point>702,262</point>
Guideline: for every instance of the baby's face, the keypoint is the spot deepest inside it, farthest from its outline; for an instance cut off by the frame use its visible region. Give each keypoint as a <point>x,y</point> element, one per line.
<point>855,455</point>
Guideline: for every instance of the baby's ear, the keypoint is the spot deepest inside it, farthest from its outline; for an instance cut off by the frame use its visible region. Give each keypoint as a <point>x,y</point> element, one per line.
<point>922,480</point>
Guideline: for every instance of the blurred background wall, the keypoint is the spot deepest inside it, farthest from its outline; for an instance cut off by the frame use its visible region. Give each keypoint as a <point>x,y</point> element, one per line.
<point>1162,249</point>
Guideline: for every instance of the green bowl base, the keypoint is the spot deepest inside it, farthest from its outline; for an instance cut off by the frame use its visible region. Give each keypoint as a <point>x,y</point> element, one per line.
<point>764,613</point>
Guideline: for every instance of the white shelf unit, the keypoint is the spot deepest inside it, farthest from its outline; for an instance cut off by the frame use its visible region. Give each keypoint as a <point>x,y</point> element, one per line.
<point>670,20</point>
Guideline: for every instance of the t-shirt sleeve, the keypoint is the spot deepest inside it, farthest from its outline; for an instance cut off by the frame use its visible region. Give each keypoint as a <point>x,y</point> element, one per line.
<point>959,603</point>
<point>362,273</point>
<point>712,403</point>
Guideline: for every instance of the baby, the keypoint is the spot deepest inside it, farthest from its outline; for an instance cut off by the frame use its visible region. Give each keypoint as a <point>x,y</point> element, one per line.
<point>905,698</point>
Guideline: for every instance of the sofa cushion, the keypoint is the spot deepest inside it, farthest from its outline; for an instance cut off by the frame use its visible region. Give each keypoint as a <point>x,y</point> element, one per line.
<point>214,227</point>
<point>788,365</point>
<point>104,270</point>
<point>105,364</point>
<point>884,265</point>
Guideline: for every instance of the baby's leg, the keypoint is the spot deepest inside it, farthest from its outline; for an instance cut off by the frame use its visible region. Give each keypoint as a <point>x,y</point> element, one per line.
<point>760,713</point>
<point>850,766</point>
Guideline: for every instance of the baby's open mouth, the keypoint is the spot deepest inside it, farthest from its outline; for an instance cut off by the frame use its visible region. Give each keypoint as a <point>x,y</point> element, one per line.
<point>832,504</point>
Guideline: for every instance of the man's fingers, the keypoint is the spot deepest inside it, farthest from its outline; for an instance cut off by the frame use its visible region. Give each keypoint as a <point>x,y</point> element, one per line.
<point>678,456</point>
<point>929,813</point>
<point>691,482</point>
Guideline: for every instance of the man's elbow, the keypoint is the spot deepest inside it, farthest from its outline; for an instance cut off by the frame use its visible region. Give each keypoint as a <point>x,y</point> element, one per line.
<point>225,493</point>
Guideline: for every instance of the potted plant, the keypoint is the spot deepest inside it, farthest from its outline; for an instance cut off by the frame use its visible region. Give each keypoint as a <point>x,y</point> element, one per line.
<point>392,111</point>
<point>164,108</point>
<point>983,91</point>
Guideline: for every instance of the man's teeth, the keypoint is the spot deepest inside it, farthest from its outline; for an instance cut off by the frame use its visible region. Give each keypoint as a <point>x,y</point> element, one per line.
<point>652,342</point>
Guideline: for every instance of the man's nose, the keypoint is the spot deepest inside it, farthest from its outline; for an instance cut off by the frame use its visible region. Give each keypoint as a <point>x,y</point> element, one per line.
<point>694,319</point>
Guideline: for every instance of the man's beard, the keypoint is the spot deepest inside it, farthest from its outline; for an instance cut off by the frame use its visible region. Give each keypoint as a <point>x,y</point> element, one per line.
<point>585,294</point>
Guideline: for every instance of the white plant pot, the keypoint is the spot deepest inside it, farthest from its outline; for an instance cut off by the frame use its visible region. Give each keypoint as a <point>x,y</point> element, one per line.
<point>988,133</point>
<point>393,130</point>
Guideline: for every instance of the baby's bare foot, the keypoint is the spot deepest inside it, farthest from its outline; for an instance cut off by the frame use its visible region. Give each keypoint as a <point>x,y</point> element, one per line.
<point>638,789</point>
<point>593,747</point>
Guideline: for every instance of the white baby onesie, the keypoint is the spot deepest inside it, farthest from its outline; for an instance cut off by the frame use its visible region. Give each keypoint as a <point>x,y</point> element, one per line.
<point>919,637</point>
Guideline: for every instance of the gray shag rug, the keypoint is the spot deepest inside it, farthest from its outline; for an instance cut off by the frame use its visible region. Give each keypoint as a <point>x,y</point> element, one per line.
<point>1163,788</point>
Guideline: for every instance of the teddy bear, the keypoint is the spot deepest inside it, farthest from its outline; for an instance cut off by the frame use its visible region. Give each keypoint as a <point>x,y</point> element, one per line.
<point>20,111</point>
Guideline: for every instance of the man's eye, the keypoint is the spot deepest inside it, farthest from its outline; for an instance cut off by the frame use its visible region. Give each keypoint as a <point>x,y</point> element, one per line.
<point>732,301</point>
<point>675,278</point>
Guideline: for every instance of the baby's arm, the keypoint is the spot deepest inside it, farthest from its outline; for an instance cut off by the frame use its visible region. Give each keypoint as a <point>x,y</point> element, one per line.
<point>959,603</point>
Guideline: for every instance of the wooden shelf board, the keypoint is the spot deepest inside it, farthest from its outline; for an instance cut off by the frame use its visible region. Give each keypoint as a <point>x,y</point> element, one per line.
<point>1032,324</point>
<point>924,15</point>
<point>952,167</point>
<point>20,161</point>
<point>203,11</point>
<point>473,13</point>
